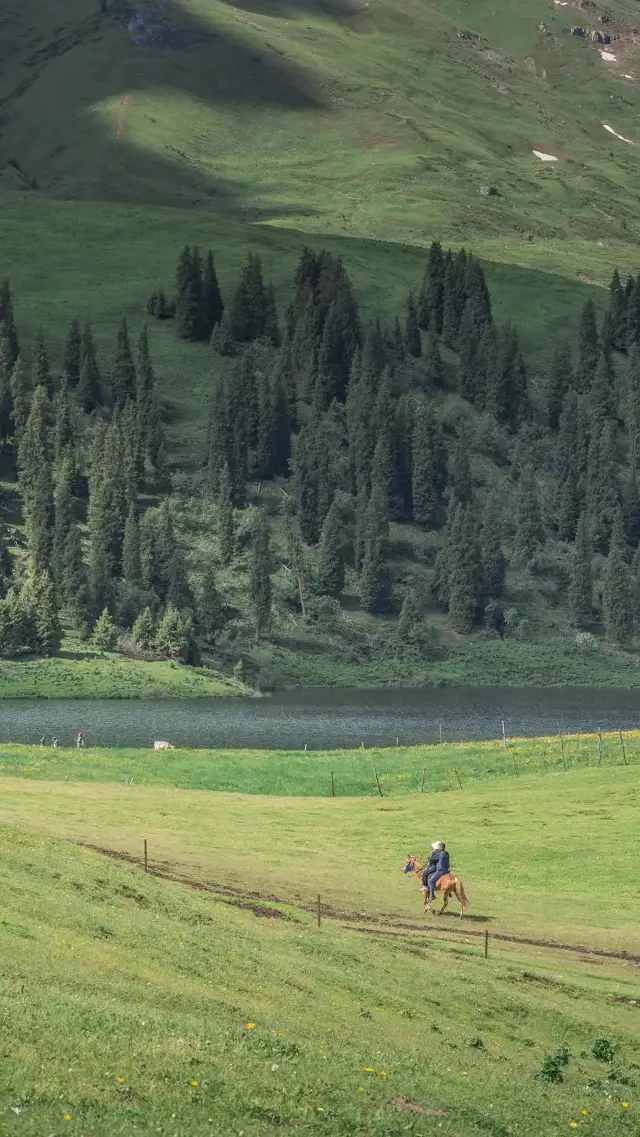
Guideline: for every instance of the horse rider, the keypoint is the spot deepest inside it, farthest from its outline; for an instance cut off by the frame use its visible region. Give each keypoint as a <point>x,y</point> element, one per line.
<point>441,869</point>
<point>431,866</point>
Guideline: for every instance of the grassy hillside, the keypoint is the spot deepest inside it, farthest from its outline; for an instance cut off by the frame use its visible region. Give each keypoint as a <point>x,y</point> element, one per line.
<point>160,1008</point>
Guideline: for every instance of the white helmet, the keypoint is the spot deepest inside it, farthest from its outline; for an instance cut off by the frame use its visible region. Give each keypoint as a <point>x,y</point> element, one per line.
<point>435,845</point>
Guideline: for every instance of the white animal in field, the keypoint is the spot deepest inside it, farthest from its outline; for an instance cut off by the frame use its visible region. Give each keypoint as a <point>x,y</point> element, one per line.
<point>163,746</point>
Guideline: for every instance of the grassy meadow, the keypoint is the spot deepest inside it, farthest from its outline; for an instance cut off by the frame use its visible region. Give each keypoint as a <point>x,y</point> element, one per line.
<point>133,1004</point>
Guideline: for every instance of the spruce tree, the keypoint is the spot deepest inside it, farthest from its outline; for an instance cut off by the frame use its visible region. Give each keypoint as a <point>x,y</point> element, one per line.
<point>7,321</point>
<point>281,427</point>
<point>412,341</point>
<point>191,317</point>
<point>90,394</point>
<point>6,562</point>
<point>468,346</point>
<point>271,330</point>
<point>144,630</point>
<point>174,636</point>
<point>131,563</point>
<point>6,394</point>
<point>570,473</point>
<point>20,399</point>
<point>616,594</point>
<point>213,304</point>
<point>72,355</point>
<point>123,372</point>
<point>63,519</point>
<point>331,554</point>
<point>617,312</point>
<point>433,367</point>
<point>40,366</point>
<point>428,470</point>
<point>210,608</point>
<point>602,400</point>
<point>105,632</point>
<point>588,348</point>
<point>529,531</point>
<point>603,489</point>
<point>411,622</point>
<point>260,587</point>
<point>225,517</point>
<point>75,586</point>
<point>35,478</point>
<point>492,556</point>
<point>631,501</point>
<point>460,482</point>
<point>581,583</point>
<point>559,382</point>
<point>375,584</point>
<point>430,304</point>
<point>38,601</point>
<point>465,572</point>
<point>506,390</point>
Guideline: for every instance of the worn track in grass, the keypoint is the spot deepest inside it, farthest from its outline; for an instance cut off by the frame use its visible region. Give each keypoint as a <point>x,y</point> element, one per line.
<point>261,905</point>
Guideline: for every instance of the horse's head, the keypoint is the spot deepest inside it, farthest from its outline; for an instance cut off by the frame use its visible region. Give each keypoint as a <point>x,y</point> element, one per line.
<point>410,865</point>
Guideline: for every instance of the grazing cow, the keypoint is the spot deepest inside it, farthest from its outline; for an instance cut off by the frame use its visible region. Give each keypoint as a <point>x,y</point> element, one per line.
<point>163,746</point>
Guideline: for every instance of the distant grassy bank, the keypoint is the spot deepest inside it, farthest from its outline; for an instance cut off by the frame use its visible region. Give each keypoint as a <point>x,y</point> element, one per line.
<point>349,773</point>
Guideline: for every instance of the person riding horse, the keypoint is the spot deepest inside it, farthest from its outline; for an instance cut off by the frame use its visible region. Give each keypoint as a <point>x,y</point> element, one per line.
<point>431,865</point>
<point>441,868</point>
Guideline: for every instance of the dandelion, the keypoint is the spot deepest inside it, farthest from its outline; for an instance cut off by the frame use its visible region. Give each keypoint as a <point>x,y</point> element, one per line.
<point>624,1104</point>
<point>360,1089</point>
<point>573,1125</point>
<point>251,1026</point>
<point>121,1080</point>
<point>383,1074</point>
<point>368,1069</point>
<point>584,1112</point>
<point>67,1117</point>
<point>195,1085</point>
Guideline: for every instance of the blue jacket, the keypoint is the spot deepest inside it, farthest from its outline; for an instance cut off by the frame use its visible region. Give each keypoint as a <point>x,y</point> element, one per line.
<point>443,861</point>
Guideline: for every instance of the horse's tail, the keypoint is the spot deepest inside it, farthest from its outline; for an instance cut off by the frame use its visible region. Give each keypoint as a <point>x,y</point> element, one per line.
<point>463,899</point>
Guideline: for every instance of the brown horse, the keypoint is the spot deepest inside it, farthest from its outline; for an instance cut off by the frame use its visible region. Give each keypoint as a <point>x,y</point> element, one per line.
<point>448,884</point>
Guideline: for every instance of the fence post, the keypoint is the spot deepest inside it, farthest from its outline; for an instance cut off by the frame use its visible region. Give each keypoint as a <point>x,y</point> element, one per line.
<point>422,779</point>
<point>486,943</point>
<point>457,776</point>
<point>441,734</point>
<point>333,788</point>
<point>599,747</point>
<point>624,753</point>
<point>562,748</point>
<point>377,780</point>
<point>504,737</point>
<point>146,862</point>
<point>318,909</point>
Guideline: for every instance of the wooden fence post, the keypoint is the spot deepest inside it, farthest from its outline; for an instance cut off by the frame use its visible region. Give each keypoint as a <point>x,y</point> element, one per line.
<point>319,916</point>
<point>562,748</point>
<point>146,862</point>
<point>624,753</point>
<point>422,780</point>
<point>377,780</point>
<point>504,737</point>
<point>599,747</point>
<point>441,734</point>
<point>486,943</point>
<point>333,787</point>
<point>457,776</point>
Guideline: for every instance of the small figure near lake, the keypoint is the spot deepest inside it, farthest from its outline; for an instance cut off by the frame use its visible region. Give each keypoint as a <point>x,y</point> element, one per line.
<point>54,741</point>
<point>79,739</point>
<point>42,740</point>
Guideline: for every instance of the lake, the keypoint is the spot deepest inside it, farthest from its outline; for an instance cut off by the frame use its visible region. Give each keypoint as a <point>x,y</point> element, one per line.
<point>322,718</point>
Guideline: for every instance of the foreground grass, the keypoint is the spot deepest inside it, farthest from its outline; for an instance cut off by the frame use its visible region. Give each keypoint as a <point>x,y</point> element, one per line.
<point>133,1006</point>
<point>529,849</point>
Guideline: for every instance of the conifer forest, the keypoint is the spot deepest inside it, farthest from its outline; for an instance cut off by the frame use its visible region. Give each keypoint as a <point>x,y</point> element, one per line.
<point>389,485</point>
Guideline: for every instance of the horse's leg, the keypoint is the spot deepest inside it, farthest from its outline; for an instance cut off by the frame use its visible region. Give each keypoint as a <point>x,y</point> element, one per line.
<point>445,899</point>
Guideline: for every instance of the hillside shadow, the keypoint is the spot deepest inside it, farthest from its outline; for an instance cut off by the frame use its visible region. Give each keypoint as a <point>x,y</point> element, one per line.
<point>154,48</point>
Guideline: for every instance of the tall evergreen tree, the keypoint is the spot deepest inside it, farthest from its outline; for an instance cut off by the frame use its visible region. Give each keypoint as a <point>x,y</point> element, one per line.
<point>35,478</point>
<point>90,394</point>
<point>466,572</point>
<point>460,482</point>
<point>588,348</point>
<point>331,559</point>
<point>20,399</point>
<point>529,531</point>
<point>131,562</point>
<point>72,355</point>
<point>74,587</point>
<point>616,593</point>
<point>123,372</point>
<point>433,368</point>
<point>429,470</point>
<point>559,382</point>
<point>412,341</point>
<point>431,299</point>
<point>260,586</point>
<point>492,556</point>
<point>225,517</point>
<point>213,303</point>
<point>63,518</point>
<point>6,394</point>
<point>210,608</point>
<point>192,319</point>
<point>7,321</point>
<point>40,367</point>
<point>581,584</point>
<point>617,311</point>
<point>38,602</point>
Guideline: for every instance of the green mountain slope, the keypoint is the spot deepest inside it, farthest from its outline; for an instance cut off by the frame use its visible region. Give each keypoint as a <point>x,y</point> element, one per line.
<point>376,119</point>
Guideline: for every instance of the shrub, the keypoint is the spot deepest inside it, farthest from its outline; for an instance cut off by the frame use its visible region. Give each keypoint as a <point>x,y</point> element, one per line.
<point>105,633</point>
<point>603,1050</point>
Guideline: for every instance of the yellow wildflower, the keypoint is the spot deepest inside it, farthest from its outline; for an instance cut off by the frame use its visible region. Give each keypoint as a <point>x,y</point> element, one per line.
<point>573,1125</point>
<point>251,1026</point>
<point>624,1105</point>
<point>121,1080</point>
<point>584,1112</point>
<point>368,1069</point>
<point>67,1117</point>
<point>360,1089</point>
<point>383,1074</point>
<point>195,1085</point>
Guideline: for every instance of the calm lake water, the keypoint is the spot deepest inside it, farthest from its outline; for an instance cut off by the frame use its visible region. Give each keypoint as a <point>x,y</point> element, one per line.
<point>323,719</point>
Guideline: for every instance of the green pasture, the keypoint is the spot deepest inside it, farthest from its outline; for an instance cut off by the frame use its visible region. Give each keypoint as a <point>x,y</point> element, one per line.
<point>131,1005</point>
